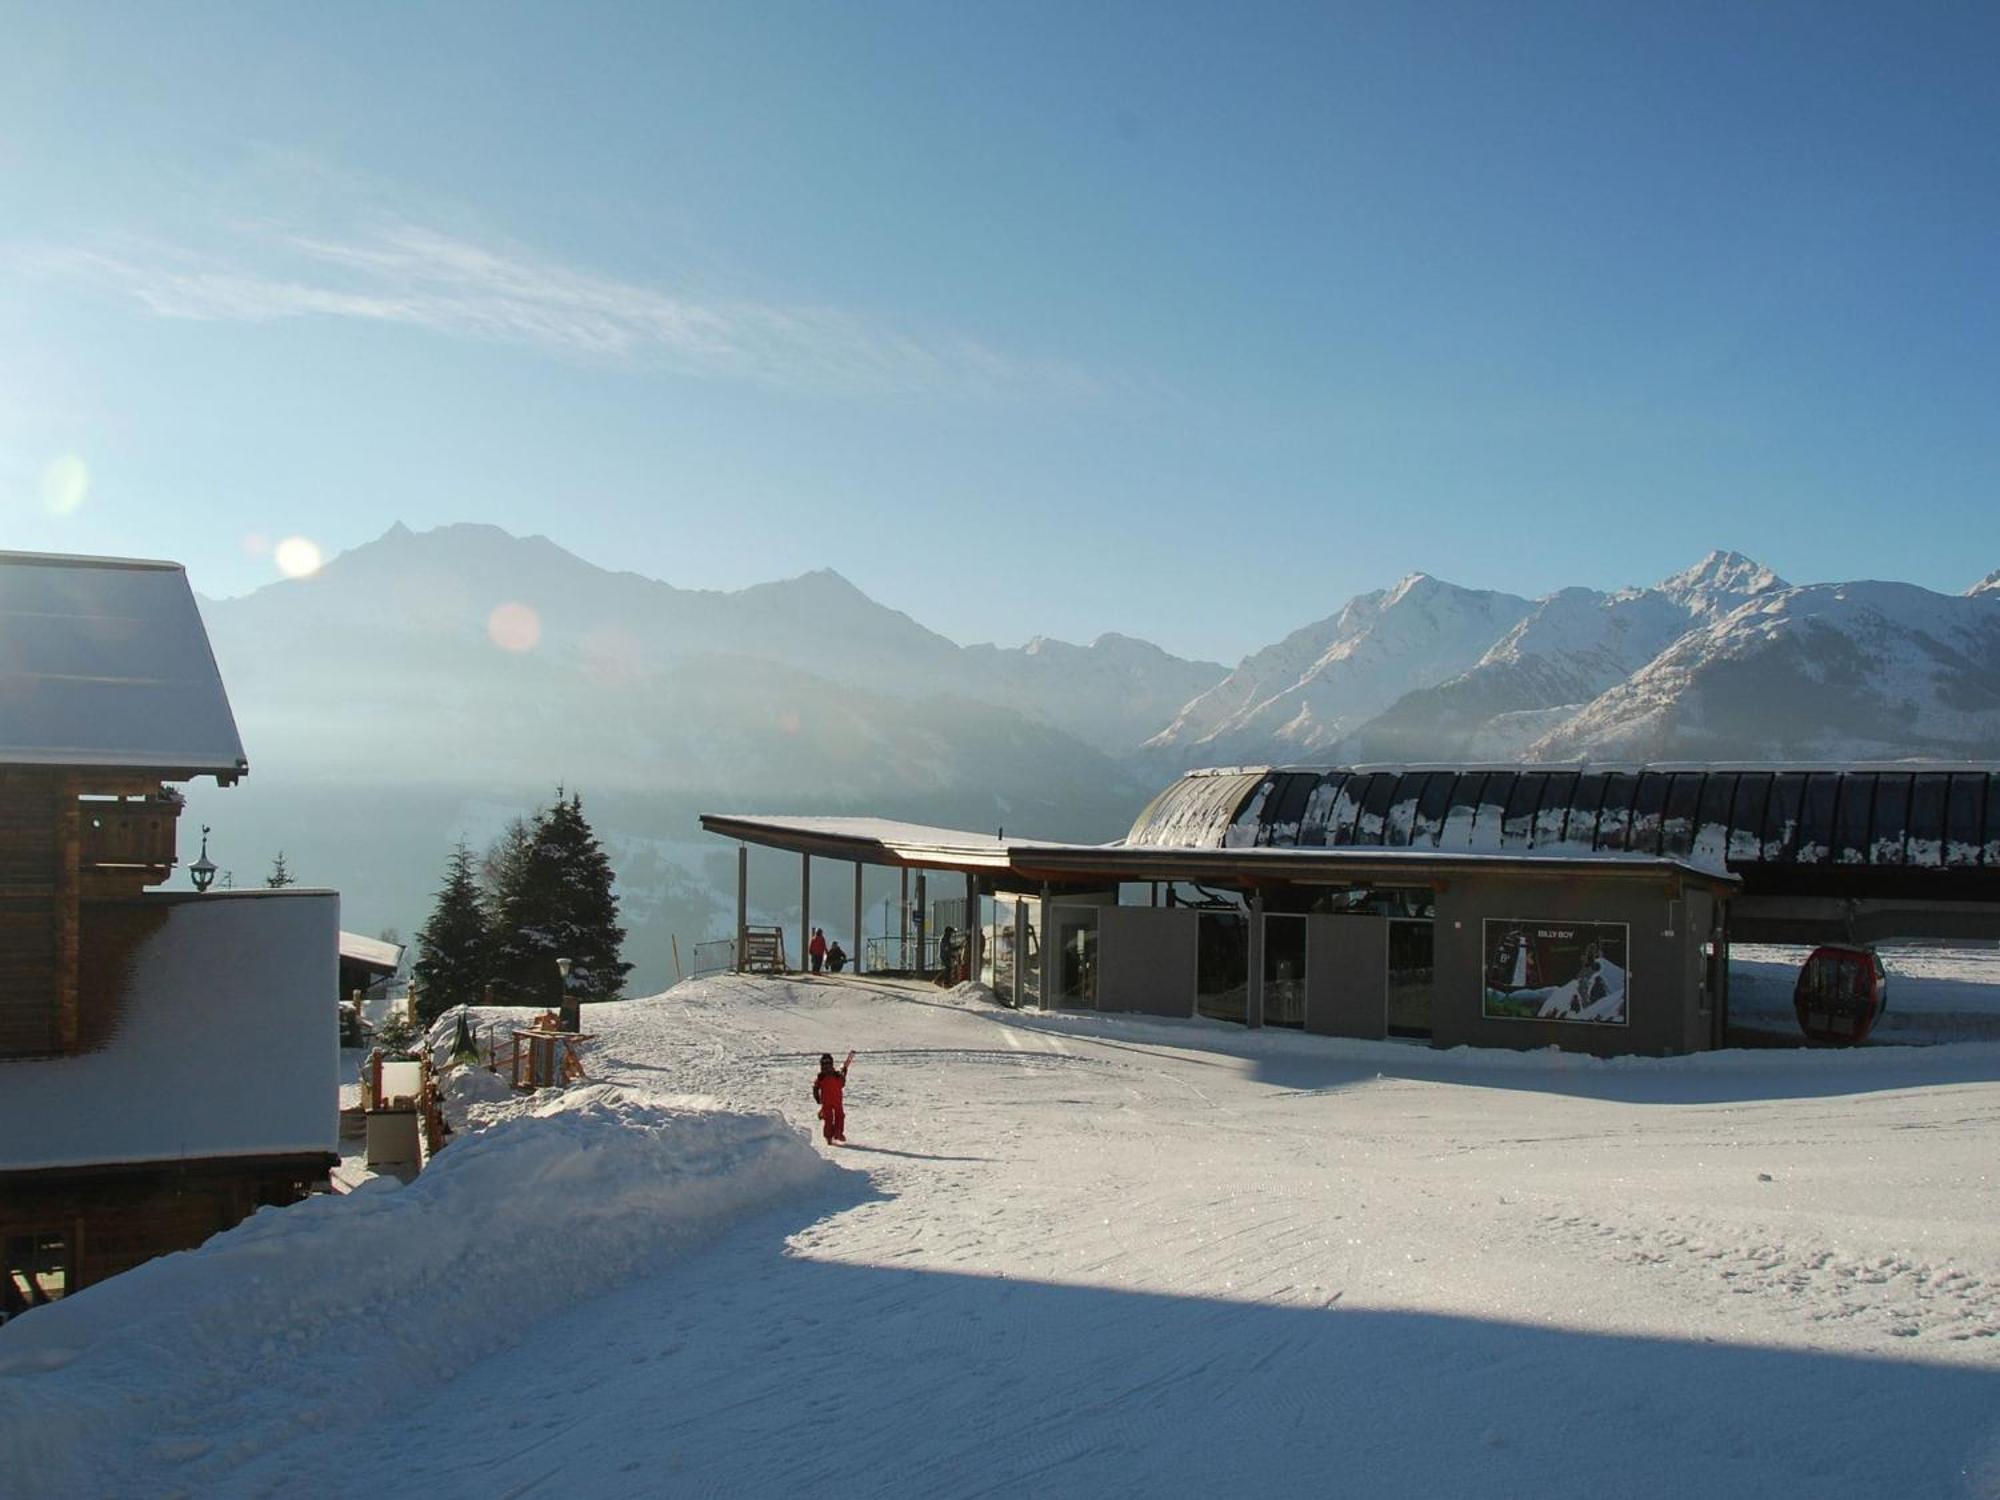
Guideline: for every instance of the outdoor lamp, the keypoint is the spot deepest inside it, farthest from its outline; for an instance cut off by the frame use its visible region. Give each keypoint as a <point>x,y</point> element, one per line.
<point>563,968</point>
<point>202,871</point>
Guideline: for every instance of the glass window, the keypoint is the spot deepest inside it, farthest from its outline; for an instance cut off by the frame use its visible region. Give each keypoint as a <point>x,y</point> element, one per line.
<point>1222,965</point>
<point>1319,809</point>
<point>1028,972</point>
<point>1285,809</point>
<point>1075,932</point>
<point>1614,817</point>
<point>1649,808</point>
<point>1927,799</point>
<point>1431,808</point>
<point>1412,978</point>
<point>1403,809</point>
<point>1677,827</point>
<point>1579,826</point>
<point>1368,829</point>
<point>1284,971</point>
<point>1340,826</point>
<point>1517,825</point>
<point>1993,821</point>
<point>1000,949</point>
<point>36,1271</point>
<point>1853,810</point>
<point>1890,826</point>
<point>1781,816</point>
<point>1746,818</point>
<point>1711,817</point>
<point>1456,831</point>
<point>1962,832</point>
<point>1815,840</point>
<point>1553,810</point>
<point>1488,828</point>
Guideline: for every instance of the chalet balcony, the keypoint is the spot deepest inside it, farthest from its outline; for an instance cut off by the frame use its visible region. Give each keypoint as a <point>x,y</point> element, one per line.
<point>130,836</point>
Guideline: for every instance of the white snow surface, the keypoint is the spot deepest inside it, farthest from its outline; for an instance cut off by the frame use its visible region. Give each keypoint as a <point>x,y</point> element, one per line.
<point>1081,1255</point>
<point>175,1376</point>
<point>226,1044</point>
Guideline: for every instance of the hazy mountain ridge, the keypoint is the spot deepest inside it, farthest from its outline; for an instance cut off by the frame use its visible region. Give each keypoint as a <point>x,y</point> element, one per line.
<point>1306,694</point>
<point>387,708</point>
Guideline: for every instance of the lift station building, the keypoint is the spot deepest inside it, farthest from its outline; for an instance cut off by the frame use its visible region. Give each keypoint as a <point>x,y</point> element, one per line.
<point>1589,908</point>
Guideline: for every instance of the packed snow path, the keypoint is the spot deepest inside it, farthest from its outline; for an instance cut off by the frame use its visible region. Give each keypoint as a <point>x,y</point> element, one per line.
<point>1084,1256</point>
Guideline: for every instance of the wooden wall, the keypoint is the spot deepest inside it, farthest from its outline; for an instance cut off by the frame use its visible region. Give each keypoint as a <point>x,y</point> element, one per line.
<point>117,1218</point>
<point>30,895</point>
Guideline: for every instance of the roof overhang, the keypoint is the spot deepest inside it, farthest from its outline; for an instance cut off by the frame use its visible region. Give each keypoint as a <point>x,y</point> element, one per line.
<point>913,845</point>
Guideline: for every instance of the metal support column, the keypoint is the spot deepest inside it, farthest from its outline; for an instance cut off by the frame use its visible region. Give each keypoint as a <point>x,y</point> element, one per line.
<point>742,903</point>
<point>1253,1000</point>
<point>805,909</point>
<point>974,928</point>
<point>859,941</point>
<point>1048,980</point>
<point>902,962</point>
<point>922,924</point>
<point>1020,951</point>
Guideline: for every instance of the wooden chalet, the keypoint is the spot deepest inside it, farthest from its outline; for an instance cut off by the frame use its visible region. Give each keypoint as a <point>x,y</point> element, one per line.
<point>168,1061</point>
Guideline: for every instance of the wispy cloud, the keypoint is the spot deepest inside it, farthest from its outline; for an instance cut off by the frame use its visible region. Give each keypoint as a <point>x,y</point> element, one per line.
<point>418,277</point>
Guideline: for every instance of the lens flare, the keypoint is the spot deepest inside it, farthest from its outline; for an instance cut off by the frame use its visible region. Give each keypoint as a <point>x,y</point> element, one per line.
<point>65,483</point>
<point>514,627</point>
<point>297,557</point>
<point>256,544</point>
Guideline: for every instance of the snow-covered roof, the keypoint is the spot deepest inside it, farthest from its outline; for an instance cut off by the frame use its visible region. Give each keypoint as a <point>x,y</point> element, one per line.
<point>872,840</point>
<point>880,841</point>
<point>227,1044</point>
<point>105,662</point>
<point>373,952</point>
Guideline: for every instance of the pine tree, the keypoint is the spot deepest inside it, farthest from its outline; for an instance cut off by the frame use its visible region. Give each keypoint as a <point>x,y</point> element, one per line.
<point>455,944</point>
<point>562,906</point>
<point>505,862</point>
<point>281,874</point>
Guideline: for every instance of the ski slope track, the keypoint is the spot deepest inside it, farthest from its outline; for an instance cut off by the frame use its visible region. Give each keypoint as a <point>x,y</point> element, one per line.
<point>1078,1255</point>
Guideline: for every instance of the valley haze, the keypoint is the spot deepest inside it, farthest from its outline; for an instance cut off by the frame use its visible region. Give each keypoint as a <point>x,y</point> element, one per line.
<point>431,685</point>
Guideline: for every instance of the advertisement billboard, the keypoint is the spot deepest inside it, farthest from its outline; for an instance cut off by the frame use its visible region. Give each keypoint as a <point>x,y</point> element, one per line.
<point>1555,971</point>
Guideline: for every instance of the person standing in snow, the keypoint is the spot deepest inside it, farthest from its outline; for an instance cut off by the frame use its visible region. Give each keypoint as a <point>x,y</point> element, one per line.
<point>816,949</point>
<point>828,1090</point>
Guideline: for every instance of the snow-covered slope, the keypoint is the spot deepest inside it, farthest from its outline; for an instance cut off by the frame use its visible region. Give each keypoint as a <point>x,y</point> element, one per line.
<point>1575,645</point>
<point>1990,584</point>
<point>1304,694</point>
<point>1114,693</point>
<point>1830,671</point>
<point>1080,1255</point>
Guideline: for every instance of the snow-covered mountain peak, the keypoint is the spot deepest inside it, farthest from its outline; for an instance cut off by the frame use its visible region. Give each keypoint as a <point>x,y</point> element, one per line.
<point>1719,582</point>
<point>1990,584</point>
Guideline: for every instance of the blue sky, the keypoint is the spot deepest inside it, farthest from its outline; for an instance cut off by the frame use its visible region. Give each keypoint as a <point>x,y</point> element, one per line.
<point>1187,322</point>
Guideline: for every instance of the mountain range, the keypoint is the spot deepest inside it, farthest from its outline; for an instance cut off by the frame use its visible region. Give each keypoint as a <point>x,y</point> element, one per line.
<point>427,686</point>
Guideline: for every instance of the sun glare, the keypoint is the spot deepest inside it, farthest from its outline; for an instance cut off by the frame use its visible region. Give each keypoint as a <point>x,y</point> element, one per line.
<point>298,557</point>
<point>514,627</point>
<point>65,483</point>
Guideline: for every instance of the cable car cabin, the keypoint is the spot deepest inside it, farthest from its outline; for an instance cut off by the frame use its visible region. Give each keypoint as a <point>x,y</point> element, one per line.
<point>1840,994</point>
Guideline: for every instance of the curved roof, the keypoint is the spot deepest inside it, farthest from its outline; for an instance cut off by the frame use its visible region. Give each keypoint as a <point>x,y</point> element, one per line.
<point>1907,815</point>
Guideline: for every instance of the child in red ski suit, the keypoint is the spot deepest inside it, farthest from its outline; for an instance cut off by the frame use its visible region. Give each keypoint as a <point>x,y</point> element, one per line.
<point>827,1089</point>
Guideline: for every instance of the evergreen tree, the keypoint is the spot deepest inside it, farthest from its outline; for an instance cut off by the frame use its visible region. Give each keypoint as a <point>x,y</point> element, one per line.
<point>455,945</point>
<point>505,862</point>
<point>561,906</point>
<point>281,874</point>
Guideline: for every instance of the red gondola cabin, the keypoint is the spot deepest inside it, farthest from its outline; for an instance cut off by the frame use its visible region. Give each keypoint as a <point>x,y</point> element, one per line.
<point>1840,994</point>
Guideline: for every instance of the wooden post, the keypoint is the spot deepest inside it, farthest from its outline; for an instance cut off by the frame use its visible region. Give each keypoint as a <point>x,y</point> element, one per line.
<point>859,940</point>
<point>805,909</point>
<point>742,905</point>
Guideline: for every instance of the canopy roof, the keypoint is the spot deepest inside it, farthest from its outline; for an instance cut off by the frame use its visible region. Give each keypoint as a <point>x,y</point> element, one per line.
<point>370,953</point>
<point>104,662</point>
<point>1031,861</point>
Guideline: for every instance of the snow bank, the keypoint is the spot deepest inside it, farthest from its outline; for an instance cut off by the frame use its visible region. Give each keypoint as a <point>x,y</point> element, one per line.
<point>331,1309</point>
